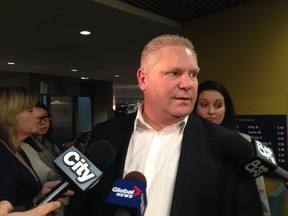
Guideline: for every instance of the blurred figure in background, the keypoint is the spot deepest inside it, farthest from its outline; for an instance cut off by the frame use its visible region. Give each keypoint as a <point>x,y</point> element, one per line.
<point>215,104</point>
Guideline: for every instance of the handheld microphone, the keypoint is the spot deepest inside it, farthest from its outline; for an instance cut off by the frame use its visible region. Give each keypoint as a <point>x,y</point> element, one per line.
<point>263,161</point>
<point>129,195</point>
<point>254,158</point>
<point>77,171</point>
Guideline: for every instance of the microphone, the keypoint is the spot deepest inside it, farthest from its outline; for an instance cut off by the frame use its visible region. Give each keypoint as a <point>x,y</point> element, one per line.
<point>254,158</point>
<point>263,161</point>
<point>129,195</point>
<point>77,171</point>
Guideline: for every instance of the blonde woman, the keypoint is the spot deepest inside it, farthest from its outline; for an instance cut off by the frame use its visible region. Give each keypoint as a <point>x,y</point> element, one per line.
<point>19,184</point>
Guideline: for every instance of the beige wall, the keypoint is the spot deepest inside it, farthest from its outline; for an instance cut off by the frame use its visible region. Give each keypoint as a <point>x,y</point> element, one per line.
<point>246,48</point>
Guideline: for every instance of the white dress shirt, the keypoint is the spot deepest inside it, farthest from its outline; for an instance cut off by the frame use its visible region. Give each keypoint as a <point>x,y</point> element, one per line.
<point>155,154</point>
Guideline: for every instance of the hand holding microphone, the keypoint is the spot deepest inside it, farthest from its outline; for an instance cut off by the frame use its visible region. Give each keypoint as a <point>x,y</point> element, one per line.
<point>77,171</point>
<point>50,185</point>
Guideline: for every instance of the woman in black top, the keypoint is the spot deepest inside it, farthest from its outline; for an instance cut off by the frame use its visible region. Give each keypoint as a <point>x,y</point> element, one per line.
<point>19,184</point>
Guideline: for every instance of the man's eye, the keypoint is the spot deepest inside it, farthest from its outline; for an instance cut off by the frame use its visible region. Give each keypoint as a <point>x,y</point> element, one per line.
<point>173,73</point>
<point>194,75</point>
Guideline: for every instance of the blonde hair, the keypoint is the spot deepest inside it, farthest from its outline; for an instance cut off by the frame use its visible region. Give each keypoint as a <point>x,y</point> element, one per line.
<point>13,100</point>
<point>147,57</point>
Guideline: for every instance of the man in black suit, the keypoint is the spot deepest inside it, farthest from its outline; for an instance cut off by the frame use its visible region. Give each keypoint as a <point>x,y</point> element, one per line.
<point>189,168</point>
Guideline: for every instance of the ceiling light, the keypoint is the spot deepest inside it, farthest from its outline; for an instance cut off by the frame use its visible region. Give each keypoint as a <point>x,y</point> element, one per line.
<point>84,78</point>
<point>85,32</point>
<point>11,63</point>
<point>74,70</point>
<point>116,75</point>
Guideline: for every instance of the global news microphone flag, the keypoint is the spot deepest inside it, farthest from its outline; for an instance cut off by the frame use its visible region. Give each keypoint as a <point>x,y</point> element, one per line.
<point>129,194</point>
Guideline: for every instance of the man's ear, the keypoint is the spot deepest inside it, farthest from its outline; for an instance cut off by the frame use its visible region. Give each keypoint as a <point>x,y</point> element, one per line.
<point>141,76</point>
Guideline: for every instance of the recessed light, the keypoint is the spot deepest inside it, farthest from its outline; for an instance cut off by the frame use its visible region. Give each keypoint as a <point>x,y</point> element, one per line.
<point>84,78</point>
<point>11,63</point>
<point>74,70</point>
<point>116,75</point>
<point>85,32</point>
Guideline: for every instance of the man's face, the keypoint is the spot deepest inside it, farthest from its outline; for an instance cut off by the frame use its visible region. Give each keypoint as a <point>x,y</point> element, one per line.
<point>170,85</point>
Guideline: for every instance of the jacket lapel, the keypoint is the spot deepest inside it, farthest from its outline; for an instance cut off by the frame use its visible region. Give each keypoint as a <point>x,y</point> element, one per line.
<point>189,157</point>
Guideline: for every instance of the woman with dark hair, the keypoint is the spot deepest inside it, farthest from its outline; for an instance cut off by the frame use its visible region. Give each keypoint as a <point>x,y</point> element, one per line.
<point>215,104</point>
<point>223,111</point>
<point>40,148</point>
<point>41,140</point>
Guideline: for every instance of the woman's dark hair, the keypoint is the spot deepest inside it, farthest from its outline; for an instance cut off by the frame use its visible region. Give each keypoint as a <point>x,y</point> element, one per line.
<point>229,120</point>
<point>49,132</point>
<point>30,141</point>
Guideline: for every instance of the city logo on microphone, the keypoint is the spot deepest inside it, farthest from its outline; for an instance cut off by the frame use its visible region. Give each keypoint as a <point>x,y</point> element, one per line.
<point>126,193</point>
<point>79,166</point>
<point>77,169</point>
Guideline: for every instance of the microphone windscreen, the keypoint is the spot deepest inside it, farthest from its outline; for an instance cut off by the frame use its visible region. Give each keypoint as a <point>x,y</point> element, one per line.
<point>101,153</point>
<point>136,176</point>
<point>237,147</point>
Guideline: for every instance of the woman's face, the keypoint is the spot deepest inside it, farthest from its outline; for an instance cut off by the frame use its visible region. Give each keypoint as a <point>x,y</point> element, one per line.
<point>211,106</point>
<point>43,122</point>
<point>27,122</point>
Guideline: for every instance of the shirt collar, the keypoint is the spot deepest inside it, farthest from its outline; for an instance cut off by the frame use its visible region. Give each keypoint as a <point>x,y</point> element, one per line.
<point>140,122</point>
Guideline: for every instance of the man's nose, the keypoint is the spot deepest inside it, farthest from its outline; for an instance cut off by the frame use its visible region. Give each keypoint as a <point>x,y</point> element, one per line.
<point>187,82</point>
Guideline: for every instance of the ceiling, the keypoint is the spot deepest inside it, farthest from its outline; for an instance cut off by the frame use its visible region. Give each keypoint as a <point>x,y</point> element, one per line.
<point>43,36</point>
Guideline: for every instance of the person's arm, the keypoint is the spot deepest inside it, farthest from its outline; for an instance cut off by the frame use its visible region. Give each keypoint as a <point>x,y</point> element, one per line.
<point>41,210</point>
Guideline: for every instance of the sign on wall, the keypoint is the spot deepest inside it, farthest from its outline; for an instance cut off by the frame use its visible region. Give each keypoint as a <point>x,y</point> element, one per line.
<point>268,129</point>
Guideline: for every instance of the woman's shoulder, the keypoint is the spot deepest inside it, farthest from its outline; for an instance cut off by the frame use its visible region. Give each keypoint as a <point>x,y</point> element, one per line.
<point>29,150</point>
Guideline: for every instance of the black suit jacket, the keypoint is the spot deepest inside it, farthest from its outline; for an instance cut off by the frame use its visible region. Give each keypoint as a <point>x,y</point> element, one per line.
<point>207,184</point>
